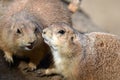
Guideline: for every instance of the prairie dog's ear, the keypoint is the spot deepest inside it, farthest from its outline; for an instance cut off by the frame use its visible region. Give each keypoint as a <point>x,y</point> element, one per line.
<point>73,38</point>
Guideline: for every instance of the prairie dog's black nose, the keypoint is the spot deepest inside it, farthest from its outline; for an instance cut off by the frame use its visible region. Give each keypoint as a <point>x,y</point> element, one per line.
<point>31,42</point>
<point>44,32</point>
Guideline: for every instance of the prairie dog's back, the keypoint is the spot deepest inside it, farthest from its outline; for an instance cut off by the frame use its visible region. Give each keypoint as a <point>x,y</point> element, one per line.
<point>101,58</point>
<point>52,11</point>
<point>48,11</point>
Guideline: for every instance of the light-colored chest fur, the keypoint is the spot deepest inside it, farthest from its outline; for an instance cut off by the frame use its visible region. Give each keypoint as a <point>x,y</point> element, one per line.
<point>62,64</point>
<point>59,61</point>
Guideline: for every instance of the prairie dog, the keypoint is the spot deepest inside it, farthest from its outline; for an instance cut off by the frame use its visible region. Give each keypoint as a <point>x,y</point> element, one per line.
<point>92,56</point>
<point>29,16</point>
<point>20,34</point>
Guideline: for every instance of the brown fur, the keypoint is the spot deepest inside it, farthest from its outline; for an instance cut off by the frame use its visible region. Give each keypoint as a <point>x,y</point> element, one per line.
<point>48,11</point>
<point>92,56</point>
<point>15,43</point>
<point>28,15</point>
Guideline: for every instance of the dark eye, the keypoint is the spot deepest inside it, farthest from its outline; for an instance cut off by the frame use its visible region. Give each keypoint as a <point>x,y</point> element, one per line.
<point>36,30</point>
<point>18,31</point>
<point>61,31</point>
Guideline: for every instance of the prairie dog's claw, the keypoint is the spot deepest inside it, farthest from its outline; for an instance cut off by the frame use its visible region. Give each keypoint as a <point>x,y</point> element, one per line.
<point>27,67</point>
<point>8,58</point>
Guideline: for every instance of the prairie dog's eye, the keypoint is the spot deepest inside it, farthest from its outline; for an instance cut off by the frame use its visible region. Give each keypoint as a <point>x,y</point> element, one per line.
<point>18,31</point>
<point>36,30</point>
<point>61,31</point>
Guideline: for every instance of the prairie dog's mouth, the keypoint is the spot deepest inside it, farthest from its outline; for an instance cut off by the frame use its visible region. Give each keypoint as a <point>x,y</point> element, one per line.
<point>46,41</point>
<point>53,48</point>
<point>29,47</point>
<point>50,44</point>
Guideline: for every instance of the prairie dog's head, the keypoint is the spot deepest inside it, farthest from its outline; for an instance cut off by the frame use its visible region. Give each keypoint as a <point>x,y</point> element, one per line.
<point>59,36</point>
<point>23,32</point>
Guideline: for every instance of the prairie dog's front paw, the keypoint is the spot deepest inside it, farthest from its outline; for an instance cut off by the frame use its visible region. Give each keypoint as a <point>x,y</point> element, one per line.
<point>47,72</point>
<point>8,57</point>
<point>32,66</point>
<point>27,67</point>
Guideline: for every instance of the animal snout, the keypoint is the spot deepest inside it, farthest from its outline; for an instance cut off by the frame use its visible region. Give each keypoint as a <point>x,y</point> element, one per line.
<point>44,32</point>
<point>32,42</point>
<point>30,45</point>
